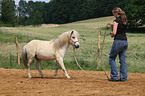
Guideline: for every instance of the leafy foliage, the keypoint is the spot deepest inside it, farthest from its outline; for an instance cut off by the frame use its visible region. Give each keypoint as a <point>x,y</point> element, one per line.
<point>30,13</point>
<point>8,12</point>
<point>65,11</point>
<point>135,10</point>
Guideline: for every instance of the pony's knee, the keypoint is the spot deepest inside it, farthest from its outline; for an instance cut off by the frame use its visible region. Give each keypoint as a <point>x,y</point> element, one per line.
<point>29,64</point>
<point>37,66</point>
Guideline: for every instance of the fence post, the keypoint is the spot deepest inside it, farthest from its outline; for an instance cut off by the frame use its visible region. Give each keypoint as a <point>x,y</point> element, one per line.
<point>9,57</point>
<point>98,49</point>
<point>17,51</point>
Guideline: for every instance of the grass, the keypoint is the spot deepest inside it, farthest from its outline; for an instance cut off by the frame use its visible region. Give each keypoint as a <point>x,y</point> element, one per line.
<point>86,54</point>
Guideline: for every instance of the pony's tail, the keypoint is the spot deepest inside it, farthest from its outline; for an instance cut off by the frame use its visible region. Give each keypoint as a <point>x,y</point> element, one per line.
<point>24,57</point>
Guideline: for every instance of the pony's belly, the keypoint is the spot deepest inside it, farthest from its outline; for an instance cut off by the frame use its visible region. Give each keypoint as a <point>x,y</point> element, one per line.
<point>45,53</point>
<point>46,58</point>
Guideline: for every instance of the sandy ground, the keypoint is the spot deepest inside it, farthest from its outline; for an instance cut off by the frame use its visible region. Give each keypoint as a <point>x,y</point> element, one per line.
<point>14,82</point>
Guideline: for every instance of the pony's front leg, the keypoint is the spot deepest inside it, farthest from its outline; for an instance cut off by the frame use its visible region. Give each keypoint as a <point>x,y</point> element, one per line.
<point>39,69</point>
<point>60,61</point>
<point>56,69</point>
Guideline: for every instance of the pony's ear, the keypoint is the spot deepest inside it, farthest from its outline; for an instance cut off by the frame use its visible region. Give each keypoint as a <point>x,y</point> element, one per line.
<point>71,33</point>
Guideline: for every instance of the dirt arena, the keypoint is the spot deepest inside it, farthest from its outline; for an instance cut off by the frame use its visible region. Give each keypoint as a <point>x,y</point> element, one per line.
<point>14,82</point>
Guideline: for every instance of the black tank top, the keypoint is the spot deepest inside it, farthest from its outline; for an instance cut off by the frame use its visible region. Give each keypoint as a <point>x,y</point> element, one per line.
<point>121,30</point>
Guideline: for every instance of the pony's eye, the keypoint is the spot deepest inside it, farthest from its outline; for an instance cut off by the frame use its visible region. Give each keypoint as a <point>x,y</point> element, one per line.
<point>73,37</point>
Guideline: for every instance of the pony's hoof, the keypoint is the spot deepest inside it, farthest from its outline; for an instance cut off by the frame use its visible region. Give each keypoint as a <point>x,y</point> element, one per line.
<point>68,77</point>
<point>43,76</point>
<point>56,77</point>
<point>29,76</point>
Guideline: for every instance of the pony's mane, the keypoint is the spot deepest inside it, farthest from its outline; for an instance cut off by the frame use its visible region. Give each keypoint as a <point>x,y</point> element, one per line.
<point>64,38</point>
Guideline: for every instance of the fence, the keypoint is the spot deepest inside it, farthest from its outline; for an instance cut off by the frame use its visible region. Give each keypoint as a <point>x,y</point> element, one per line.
<point>86,54</point>
<point>86,57</point>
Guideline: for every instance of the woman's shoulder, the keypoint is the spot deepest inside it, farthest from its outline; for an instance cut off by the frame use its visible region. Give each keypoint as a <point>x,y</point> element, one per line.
<point>118,19</point>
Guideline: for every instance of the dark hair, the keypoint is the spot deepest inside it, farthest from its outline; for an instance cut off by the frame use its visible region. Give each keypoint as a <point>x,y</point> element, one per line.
<point>122,14</point>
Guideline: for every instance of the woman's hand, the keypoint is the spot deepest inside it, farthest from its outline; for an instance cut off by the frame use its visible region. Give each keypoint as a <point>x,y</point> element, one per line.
<point>112,34</point>
<point>110,24</point>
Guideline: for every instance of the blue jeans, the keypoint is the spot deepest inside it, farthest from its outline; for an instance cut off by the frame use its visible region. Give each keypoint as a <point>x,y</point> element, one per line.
<point>119,47</point>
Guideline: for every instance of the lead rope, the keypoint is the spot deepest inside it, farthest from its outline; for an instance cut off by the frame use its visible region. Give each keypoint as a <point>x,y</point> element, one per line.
<point>101,59</point>
<point>83,69</point>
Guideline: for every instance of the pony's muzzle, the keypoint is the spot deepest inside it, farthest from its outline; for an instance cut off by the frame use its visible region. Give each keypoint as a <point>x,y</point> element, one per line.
<point>77,45</point>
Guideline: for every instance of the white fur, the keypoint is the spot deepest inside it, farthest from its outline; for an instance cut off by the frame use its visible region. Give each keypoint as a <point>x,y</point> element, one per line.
<point>49,50</point>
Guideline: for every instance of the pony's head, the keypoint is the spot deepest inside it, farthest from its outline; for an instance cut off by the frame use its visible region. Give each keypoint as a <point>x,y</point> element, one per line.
<point>70,37</point>
<point>74,39</point>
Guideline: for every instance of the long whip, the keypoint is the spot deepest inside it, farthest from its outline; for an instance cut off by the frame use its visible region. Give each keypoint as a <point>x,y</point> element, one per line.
<point>102,51</point>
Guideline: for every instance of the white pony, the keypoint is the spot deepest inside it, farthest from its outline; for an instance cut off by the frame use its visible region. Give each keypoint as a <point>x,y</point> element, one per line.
<point>49,50</point>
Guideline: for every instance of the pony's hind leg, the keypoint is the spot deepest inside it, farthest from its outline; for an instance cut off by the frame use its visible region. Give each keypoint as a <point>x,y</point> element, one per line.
<point>56,69</point>
<point>39,69</point>
<point>29,66</point>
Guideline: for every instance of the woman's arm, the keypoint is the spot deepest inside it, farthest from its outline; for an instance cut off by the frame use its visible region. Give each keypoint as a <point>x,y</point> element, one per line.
<point>115,25</point>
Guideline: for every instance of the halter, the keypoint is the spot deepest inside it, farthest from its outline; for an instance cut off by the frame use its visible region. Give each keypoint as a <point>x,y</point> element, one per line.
<point>74,41</point>
<point>73,44</point>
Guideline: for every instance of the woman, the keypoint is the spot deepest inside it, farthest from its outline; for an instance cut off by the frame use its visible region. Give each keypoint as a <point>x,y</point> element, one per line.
<point>119,46</point>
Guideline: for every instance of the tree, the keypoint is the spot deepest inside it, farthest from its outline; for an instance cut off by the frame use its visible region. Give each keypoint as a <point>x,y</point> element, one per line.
<point>65,11</point>
<point>23,12</point>
<point>8,12</point>
<point>0,6</point>
<point>36,18</point>
<point>135,11</point>
<point>35,13</point>
<point>0,11</point>
<point>29,11</point>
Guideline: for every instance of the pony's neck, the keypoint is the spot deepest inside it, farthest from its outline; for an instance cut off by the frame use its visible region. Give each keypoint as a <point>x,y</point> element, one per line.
<point>66,46</point>
<point>62,42</point>
<point>62,49</point>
